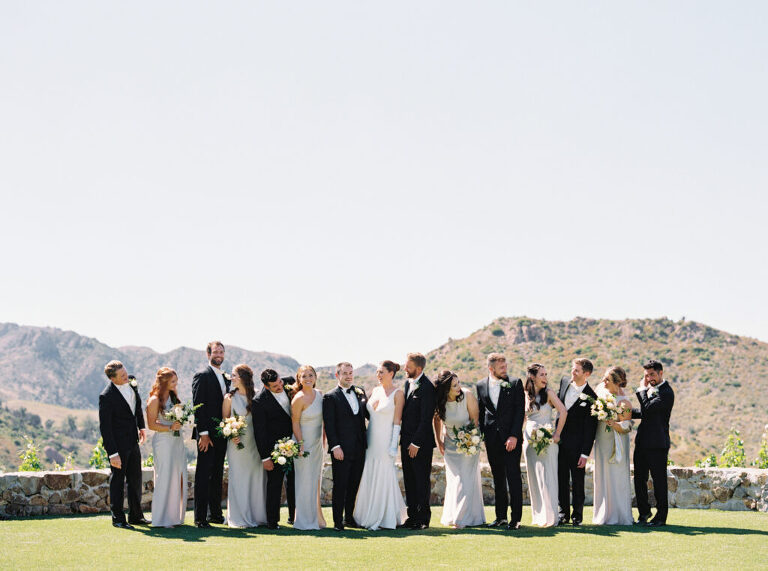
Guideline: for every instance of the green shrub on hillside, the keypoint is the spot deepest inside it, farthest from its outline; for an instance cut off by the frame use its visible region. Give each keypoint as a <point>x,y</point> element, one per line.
<point>99,458</point>
<point>30,457</point>
<point>733,455</point>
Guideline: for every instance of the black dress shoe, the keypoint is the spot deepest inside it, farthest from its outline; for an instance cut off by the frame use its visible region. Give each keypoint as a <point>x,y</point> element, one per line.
<point>122,525</point>
<point>273,526</point>
<point>418,526</point>
<point>655,524</point>
<point>562,521</point>
<point>576,522</point>
<point>141,521</point>
<point>352,523</point>
<point>338,528</point>
<point>202,524</point>
<point>498,523</point>
<point>513,526</point>
<point>405,525</point>
<point>642,520</point>
<point>290,520</point>
<point>217,519</point>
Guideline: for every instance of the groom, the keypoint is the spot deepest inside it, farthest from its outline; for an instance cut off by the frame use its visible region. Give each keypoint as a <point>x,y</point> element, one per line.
<point>271,413</point>
<point>417,441</point>
<point>502,409</point>
<point>208,389</point>
<point>122,430</point>
<point>344,414</point>
<point>652,443</point>
<point>576,440</point>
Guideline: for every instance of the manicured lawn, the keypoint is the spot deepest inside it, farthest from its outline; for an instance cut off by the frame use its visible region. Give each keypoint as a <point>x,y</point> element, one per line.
<point>694,539</point>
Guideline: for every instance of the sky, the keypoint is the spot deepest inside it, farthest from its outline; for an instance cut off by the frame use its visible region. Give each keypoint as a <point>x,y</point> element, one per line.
<point>356,180</point>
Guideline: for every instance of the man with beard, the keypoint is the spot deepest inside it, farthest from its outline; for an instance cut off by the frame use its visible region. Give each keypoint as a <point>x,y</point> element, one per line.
<point>652,443</point>
<point>502,410</point>
<point>417,440</point>
<point>208,389</point>
<point>576,441</point>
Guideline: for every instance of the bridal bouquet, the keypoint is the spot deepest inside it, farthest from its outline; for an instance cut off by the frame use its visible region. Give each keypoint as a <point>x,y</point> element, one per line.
<point>467,439</point>
<point>603,408</point>
<point>181,413</point>
<point>231,428</point>
<point>286,451</point>
<point>541,438</point>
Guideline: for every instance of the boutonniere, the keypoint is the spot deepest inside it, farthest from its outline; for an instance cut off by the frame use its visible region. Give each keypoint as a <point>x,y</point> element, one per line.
<point>505,385</point>
<point>134,383</point>
<point>652,391</point>
<point>359,392</point>
<point>226,377</point>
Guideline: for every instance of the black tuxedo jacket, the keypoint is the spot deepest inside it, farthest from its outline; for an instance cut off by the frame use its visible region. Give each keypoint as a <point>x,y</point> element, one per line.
<point>418,412</point>
<point>206,390</point>
<point>118,423</point>
<point>342,427</point>
<point>578,434</point>
<point>653,431</point>
<point>498,424</point>
<point>270,422</point>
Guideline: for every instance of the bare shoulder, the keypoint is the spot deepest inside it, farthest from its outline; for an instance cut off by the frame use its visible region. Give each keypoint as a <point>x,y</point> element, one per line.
<point>469,395</point>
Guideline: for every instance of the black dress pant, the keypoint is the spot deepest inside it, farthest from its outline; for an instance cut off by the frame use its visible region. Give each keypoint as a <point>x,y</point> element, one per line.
<point>130,472</point>
<point>569,475</point>
<point>346,481</point>
<point>275,479</point>
<point>653,460</point>
<point>208,480</point>
<point>507,480</point>
<point>417,474</point>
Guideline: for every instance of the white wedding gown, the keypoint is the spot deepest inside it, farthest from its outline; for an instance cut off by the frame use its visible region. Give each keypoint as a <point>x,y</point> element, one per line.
<point>379,499</point>
<point>541,470</point>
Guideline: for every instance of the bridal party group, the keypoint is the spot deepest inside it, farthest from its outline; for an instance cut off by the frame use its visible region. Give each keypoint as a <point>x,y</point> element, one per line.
<point>274,431</point>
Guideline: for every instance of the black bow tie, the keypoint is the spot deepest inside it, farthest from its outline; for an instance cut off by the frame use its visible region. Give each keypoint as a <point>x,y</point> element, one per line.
<point>350,390</point>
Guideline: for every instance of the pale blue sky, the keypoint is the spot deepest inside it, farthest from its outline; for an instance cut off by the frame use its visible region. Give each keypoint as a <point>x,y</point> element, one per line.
<point>350,180</point>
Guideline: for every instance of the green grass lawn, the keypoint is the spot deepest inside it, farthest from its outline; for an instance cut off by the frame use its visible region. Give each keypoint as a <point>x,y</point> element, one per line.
<point>694,539</point>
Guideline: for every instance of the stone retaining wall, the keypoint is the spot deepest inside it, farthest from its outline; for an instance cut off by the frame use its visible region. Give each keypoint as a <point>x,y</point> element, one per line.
<point>85,492</point>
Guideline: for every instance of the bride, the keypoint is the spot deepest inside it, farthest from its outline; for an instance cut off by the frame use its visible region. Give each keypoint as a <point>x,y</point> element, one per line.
<point>379,500</point>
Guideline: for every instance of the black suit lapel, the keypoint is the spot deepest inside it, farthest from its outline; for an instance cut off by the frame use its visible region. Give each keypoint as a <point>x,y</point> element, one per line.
<point>343,397</point>
<point>278,405</point>
<point>486,384</point>
<point>116,394</point>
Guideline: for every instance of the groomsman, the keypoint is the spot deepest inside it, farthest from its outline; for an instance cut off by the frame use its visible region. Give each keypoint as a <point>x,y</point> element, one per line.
<point>502,410</point>
<point>208,388</point>
<point>576,440</point>
<point>417,441</point>
<point>271,412</point>
<point>344,414</point>
<point>122,429</point>
<point>652,443</point>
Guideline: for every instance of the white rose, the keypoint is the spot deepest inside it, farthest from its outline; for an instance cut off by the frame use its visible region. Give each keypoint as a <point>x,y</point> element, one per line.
<point>281,460</point>
<point>473,450</point>
<point>289,453</point>
<point>475,440</point>
<point>582,396</point>
<point>226,431</point>
<point>134,384</point>
<point>461,434</point>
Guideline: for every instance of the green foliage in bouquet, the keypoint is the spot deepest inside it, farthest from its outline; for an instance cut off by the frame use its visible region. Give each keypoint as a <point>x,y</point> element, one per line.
<point>149,461</point>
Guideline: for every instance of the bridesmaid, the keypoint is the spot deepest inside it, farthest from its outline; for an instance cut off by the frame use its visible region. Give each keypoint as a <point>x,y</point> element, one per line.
<point>247,492</point>
<point>456,407</point>
<point>612,486</point>
<point>307,416</point>
<point>169,499</point>
<point>542,468</point>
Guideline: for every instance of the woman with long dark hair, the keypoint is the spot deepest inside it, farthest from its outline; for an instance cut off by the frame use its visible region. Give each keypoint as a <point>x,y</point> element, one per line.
<point>247,490</point>
<point>542,465</point>
<point>457,407</point>
<point>169,499</point>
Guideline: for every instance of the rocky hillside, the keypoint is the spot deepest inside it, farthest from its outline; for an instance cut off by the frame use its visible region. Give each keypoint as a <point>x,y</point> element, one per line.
<point>719,379</point>
<point>49,365</point>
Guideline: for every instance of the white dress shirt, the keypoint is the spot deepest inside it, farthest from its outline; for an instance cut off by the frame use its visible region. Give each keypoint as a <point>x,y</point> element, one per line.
<point>130,397</point>
<point>351,397</point>
<point>494,390</point>
<point>282,398</point>
<point>572,393</point>
<point>222,385</point>
<point>411,390</point>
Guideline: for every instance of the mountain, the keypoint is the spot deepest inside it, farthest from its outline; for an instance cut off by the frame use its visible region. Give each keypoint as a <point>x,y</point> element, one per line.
<point>720,380</point>
<point>49,365</point>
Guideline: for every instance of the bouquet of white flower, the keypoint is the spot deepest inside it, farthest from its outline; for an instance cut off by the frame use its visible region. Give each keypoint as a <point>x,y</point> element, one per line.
<point>603,408</point>
<point>181,413</point>
<point>286,451</point>
<point>541,438</point>
<point>467,439</point>
<point>231,428</point>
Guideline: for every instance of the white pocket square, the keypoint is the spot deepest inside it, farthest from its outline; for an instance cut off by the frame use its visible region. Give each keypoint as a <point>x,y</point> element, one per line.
<point>583,404</point>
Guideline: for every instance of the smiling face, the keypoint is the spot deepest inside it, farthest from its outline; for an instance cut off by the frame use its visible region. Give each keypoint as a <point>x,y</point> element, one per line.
<point>498,368</point>
<point>578,375</point>
<point>307,379</point>
<point>275,386</point>
<point>216,358</point>
<point>411,370</point>
<point>455,389</point>
<point>346,376</point>
<point>121,376</point>
<point>173,383</point>
<point>384,375</point>
<point>237,382</point>
<point>652,377</point>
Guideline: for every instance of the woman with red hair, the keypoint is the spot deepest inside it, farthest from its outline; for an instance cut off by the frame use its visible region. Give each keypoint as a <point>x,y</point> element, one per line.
<point>169,499</point>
